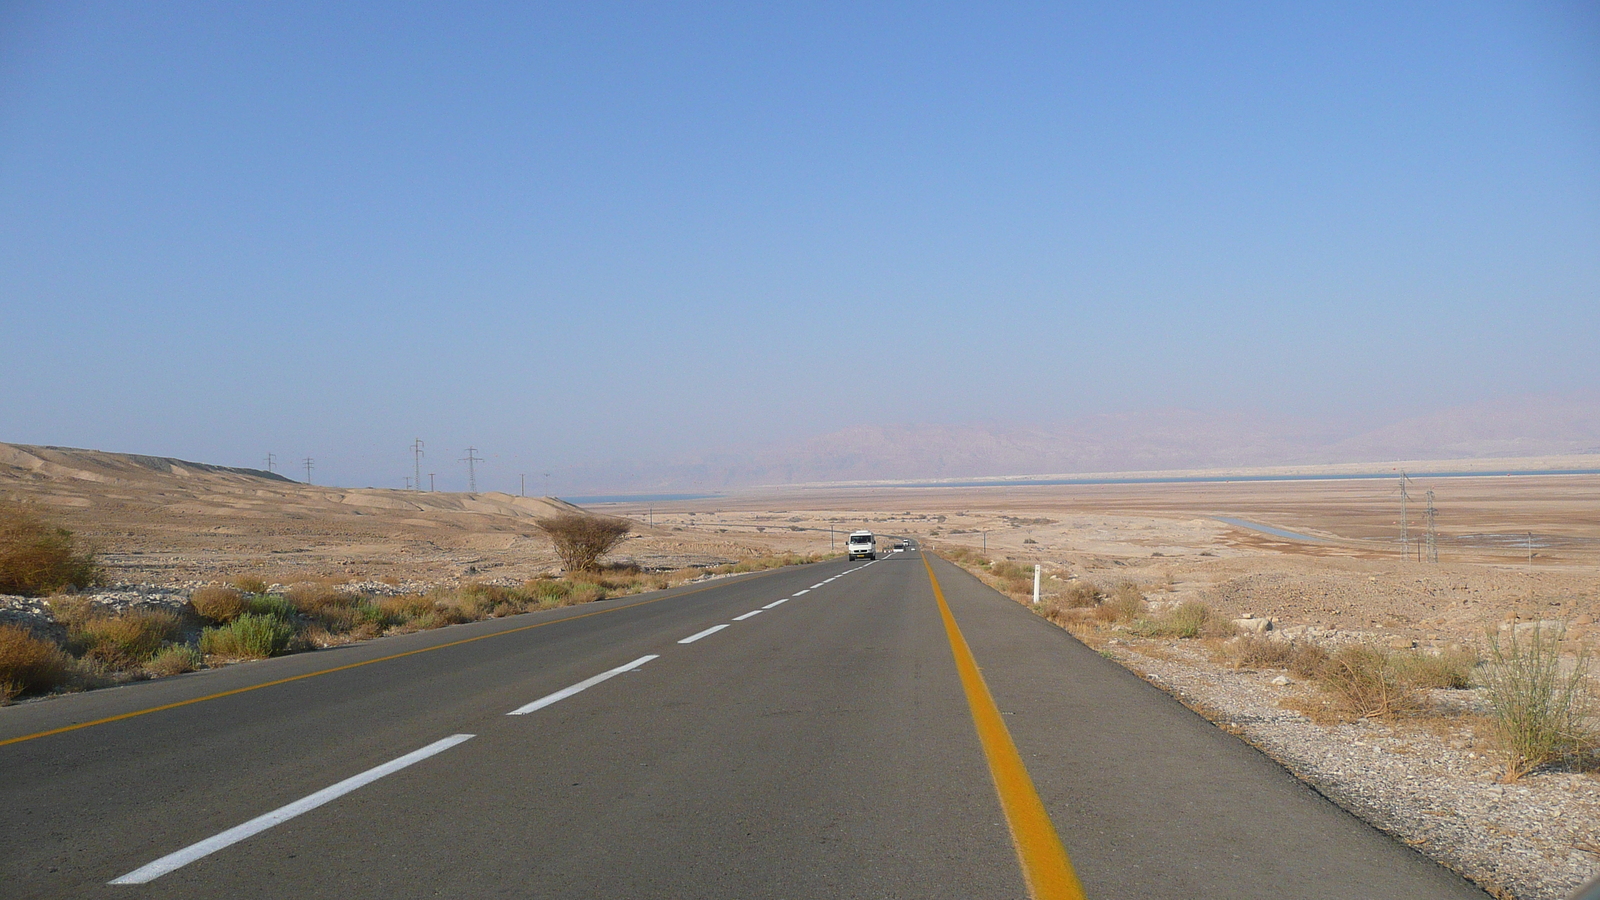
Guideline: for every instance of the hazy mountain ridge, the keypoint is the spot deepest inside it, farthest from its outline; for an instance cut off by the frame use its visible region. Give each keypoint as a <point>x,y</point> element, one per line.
<point>1126,442</point>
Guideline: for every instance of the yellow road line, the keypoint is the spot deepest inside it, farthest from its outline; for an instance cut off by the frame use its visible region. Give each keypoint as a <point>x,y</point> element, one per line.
<point>1045,866</point>
<point>266,684</point>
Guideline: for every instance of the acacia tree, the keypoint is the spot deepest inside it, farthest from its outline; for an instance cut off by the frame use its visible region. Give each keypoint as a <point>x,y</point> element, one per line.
<point>581,539</point>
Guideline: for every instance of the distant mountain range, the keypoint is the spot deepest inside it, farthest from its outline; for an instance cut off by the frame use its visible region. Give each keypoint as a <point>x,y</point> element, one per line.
<point>1144,441</point>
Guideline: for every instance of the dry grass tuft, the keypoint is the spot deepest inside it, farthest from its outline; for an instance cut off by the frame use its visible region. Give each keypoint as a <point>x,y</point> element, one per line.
<point>28,664</point>
<point>37,558</point>
<point>250,584</point>
<point>219,604</point>
<point>174,660</point>
<point>125,641</point>
<point>1189,619</point>
<point>1366,683</point>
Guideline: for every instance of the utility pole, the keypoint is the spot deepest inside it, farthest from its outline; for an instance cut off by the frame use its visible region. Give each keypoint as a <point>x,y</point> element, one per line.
<point>1405,533</point>
<point>524,478</point>
<point>271,458</point>
<point>416,462</point>
<point>408,482</point>
<point>309,463</point>
<point>430,482</point>
<point>547,484</point>
<point>1433,530</point>
<point>472,459</point>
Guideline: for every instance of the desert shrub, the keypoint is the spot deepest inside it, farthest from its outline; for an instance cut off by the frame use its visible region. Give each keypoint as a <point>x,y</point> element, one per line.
<point>1005,568</point>
<point>407,606</point>
<point>313,598</point>
<point>1080,594</point>
<point>38,558</point>
<point>1366,683</point>
<point>174,659</point>
<point>272,605</point>
<point>1539,712</point>
<point>551,591</point>
<point>250,584</point>
<point>28,664</point>
<point>219,604</point>
<point>1125,603</point>
<point>251,636</point>
<point>581,539</point>
<point>1189,619</point>
<point>124,641</point>
<point>1253,651</point>
<point>1450,670</point>
<point>1306,659</point>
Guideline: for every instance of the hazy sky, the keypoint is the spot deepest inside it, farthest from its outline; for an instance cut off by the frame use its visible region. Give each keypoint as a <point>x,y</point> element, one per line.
<point>581,231</point>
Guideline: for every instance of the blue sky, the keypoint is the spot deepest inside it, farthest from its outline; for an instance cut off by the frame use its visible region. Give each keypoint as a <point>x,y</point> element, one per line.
<point>567,232</point>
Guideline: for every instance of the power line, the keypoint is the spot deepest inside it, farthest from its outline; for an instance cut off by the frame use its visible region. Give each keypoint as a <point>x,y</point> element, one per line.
<point>271,458</point>
<point>416,461</point>
<point>472,459</point>
<point>310,464</point>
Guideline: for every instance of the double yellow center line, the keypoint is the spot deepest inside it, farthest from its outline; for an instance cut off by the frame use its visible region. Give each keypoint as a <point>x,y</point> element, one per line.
<point>1045,866</point>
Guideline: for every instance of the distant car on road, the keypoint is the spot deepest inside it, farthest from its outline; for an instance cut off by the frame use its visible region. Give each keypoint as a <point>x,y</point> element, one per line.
<point>902,545</point>
<point>861,545</point>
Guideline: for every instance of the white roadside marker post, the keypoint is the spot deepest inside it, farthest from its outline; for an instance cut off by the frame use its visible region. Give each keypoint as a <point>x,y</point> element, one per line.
<point>1035,584</point>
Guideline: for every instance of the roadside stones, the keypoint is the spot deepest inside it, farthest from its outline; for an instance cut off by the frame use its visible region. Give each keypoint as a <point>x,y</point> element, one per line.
<point>1282,681</point>
<point>1253,625</point>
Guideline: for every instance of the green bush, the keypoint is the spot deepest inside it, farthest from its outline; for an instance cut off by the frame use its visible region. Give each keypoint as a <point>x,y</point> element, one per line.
<point>272,605</point>
<point>251,636</point>
<point>1540,713</point>
<point>38,558</point>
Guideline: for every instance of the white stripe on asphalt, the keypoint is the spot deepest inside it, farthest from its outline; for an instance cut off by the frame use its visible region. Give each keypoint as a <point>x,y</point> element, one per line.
<point>583,685</point>
<point>754,612</point>
<point>776,603</point>
<point>189,854</point>
<point>817,585</point>
<point>806,591</point>
<point>695,637</point>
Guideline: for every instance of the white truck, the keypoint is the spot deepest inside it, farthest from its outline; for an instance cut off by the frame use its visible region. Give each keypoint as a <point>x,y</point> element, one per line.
<point>861,545</point>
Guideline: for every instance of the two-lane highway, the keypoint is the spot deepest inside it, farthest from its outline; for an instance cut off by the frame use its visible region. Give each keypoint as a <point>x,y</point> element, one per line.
<point>807,732</point>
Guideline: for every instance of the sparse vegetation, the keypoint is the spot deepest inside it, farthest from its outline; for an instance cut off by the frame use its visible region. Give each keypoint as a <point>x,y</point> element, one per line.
<point>1366,683</point>
<point>219,604</point>
<point>580,539</point>
<point>250,636</point>
<point>1539,708</point>
<point>250,584</point>
<point>1189,619</point>
<point>174,659</point>
<point>28,664</point>
<point>37,558</point>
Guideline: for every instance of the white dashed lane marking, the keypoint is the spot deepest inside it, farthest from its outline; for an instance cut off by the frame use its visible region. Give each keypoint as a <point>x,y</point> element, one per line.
<point>695,637</point>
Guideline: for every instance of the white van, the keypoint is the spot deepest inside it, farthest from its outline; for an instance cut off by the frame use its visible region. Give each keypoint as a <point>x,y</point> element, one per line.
<point>862,545</point>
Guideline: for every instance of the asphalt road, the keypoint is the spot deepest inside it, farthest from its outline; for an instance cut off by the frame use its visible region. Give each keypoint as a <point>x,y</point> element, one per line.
<point>826,746</point>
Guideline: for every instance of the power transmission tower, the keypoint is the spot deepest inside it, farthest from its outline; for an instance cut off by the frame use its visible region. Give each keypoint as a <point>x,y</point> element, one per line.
<point>271,458</point>
<point>472,459</point>
<point>1433,531</point>
<point>309,464</point>
<point>416,461</point>
<point>1405,526</point>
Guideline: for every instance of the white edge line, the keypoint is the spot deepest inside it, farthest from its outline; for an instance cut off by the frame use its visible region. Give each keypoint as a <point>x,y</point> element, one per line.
<point>776,603</point>
<point>817,585</point>
<point>583,685</point>
<point>798,593</point>
<point>753,612</point>
<point>695,637</point>
<point>148,873</point>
